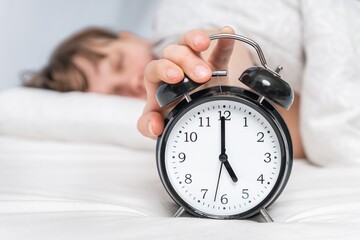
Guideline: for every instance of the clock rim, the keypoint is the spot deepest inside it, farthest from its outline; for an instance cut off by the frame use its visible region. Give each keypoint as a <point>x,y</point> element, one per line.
<point>246,97</point>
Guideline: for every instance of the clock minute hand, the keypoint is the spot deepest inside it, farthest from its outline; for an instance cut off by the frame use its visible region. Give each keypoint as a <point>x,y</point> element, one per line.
<point>223,149</point>
<point>223,157</point>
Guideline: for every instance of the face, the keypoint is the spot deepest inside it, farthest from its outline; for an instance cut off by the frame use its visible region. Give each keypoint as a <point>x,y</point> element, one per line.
<point>121,71</point>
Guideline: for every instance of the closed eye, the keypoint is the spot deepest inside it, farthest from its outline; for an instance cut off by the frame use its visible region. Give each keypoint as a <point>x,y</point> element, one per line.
<point>119,62</point>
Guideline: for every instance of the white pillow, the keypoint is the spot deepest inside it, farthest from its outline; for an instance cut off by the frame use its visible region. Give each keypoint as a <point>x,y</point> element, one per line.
<point>73,116</point>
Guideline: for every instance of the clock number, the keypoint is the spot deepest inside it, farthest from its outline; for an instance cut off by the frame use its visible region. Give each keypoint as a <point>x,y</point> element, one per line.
<point>182,157</point>
<point>261,178</point>
<point>245,122</point>
<point>224,199</point>
<point>226,115</point>
<point>261,137</point>
<point>192,137</point>
<point>268,157</point>
<point>188,179</point>
<point>245,194</point>
<point>205,191</point>
<point>205,122</point>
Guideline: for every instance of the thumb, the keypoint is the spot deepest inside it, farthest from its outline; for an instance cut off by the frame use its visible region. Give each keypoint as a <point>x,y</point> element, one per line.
<point>220,56</point>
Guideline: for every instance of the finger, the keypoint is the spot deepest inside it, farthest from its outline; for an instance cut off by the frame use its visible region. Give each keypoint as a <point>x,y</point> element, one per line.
<point>158,71</point>
<point>189,61</point>
<point>220,56</point>
<point>163,70</point>
<point>197,40</point>
<point>151,124</point>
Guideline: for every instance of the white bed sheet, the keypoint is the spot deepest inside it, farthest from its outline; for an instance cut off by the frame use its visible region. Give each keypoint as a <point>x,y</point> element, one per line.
<point>63,190</point>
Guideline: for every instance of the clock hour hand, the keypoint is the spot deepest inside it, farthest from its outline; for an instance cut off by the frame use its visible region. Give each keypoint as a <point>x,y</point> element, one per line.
<point>223,157</point>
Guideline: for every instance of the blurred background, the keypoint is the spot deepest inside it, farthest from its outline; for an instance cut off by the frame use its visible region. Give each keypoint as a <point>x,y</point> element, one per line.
<point>31,29</point>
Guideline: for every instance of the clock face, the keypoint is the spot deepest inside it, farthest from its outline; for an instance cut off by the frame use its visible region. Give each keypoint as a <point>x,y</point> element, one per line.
<point>223,158</point>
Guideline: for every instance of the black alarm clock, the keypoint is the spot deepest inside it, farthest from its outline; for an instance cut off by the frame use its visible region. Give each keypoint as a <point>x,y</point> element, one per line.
<point>226,152</point>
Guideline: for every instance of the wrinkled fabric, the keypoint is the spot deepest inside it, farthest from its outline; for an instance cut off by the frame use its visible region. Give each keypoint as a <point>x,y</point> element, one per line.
<point>317,43</point>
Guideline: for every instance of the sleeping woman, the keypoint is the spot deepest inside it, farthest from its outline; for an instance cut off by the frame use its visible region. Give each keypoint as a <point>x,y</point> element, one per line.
<point>98,60</point>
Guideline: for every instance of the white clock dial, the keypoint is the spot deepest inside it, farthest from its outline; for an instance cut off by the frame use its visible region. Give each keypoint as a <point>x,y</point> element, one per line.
<point>250,149</point>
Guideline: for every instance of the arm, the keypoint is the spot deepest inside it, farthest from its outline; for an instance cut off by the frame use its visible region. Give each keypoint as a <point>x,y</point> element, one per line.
<point>186,58</point>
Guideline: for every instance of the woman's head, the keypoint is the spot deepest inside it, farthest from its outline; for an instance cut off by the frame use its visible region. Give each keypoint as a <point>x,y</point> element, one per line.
<point>96,60</point>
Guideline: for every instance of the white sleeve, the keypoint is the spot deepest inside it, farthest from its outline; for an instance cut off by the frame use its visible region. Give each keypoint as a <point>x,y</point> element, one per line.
<point>330,110</point>
<point>274,25</point>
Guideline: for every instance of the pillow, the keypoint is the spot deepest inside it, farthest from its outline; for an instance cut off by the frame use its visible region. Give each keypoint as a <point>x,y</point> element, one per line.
<point>72,116</point>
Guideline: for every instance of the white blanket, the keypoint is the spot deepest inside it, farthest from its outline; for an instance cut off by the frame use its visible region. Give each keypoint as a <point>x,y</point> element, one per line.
<point>61,190</point>
<point>97,179</point>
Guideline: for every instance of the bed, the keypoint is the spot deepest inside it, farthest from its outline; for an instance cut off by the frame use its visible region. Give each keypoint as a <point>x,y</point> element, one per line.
<point>73,166</point>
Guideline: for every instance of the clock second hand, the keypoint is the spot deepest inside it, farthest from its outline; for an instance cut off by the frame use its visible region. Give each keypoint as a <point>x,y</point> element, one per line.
<point>218,181</point>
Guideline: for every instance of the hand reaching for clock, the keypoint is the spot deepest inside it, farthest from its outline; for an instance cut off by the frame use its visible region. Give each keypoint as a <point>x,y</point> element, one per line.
<point>179,59</point>
<point>223,157</point>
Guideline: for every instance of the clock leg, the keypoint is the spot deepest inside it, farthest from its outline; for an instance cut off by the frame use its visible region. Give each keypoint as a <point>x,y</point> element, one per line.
<point>265,214</point>
<point>179,212</point>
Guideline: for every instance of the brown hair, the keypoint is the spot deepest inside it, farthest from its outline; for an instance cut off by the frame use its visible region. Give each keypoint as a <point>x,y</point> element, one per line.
<point>56,74</point>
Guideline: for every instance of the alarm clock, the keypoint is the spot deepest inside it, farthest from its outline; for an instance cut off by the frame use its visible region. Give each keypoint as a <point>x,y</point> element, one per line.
<point>226,152</point>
